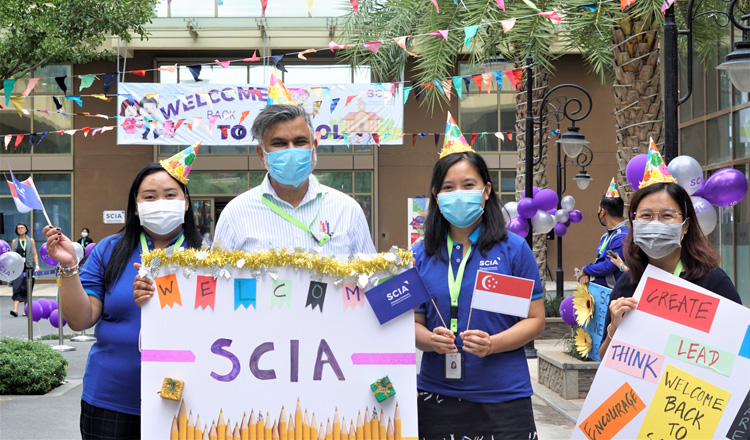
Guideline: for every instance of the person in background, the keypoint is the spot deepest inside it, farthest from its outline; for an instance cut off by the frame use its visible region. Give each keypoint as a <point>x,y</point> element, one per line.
<point>665,234</point>
<point>158,216</point>
<point>26,247</point>
<point>602,271</point>
<point>85,239</point>
<point>474,379</point>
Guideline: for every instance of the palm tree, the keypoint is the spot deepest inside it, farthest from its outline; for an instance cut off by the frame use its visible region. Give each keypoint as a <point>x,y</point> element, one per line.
<point>381,20</point>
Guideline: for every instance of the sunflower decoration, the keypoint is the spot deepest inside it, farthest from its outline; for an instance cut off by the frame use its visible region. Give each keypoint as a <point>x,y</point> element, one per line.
<point>583,303</point>
<point>583,342</point>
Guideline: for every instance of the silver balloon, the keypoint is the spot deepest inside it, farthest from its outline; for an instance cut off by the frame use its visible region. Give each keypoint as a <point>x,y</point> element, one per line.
<point>561,216</point>
<point>706,214</point>
<point>688,173</point>
<point>510,210</point>
<point>11,266</point>
<point>568,203</point>
<point>542,222</point>
<point>79,250</point>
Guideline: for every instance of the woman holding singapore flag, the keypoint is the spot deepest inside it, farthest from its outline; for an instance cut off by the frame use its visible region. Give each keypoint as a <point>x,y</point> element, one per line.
<point>474,378</point>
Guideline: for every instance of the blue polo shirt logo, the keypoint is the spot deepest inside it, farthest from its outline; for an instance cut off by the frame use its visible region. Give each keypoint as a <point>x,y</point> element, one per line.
<point>491,264</point>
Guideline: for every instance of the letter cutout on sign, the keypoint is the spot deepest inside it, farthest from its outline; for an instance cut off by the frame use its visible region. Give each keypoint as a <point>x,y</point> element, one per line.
<point>281,294</point>
<point>168,291</point>
<point>702,355</point>
<point>684,406</point>
<point>634,361</point>
<point>316,295</point>
<point>613,414</point>
<point>205,291</point>
<point>244,292</point>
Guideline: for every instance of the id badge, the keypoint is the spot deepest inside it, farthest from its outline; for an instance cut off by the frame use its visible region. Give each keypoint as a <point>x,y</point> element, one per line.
<point>454,367</point>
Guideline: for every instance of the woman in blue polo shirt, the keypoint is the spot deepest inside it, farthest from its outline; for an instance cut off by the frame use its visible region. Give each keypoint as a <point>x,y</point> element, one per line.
<point>158,215</point>
<point>474,379</point>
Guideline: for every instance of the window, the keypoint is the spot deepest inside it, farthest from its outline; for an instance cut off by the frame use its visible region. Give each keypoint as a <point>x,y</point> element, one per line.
<point>36,121</point>
<point>357,184</point>
<point>486,114</point>
<point>56,195</point>
<point>504,182</point>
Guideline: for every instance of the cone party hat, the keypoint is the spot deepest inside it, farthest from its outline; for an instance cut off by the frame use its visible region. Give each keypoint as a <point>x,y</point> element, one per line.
<point>612,189</point>
<point>656,170</point>
<point>455,142</point>
<point>277,92</point>
<point>179,165</point>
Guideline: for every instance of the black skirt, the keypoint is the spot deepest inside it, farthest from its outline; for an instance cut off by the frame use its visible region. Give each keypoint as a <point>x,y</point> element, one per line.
<point>20,287</point>
<point>442,417</point>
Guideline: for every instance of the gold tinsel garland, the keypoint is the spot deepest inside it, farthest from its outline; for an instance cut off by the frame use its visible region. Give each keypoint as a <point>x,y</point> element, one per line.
<point>323,265</point>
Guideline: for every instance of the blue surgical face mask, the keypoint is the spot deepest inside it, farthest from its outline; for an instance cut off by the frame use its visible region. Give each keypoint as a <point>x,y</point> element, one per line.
<point>461,207</point>
<point>290,166</point>
<point>84,234</point>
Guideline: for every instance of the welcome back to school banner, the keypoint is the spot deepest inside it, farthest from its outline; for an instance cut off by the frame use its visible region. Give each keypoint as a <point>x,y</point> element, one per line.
<point>222,114</point>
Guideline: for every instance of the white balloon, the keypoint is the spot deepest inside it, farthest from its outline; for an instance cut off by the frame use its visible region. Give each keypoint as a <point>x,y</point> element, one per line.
<point>561,216</point>
<point>688,173</point>
<point>706,214</point>
<point>568,203</point>
<point>79,250</point>
<point>542,222</point>
<point>11,266</point>
<point>510,210</point>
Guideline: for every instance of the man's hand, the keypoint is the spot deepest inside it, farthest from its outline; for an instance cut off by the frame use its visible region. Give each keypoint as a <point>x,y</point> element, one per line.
<point>583,278</point>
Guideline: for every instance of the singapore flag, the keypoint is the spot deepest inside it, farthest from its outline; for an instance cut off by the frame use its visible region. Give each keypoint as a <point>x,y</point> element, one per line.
<point>502,294</point>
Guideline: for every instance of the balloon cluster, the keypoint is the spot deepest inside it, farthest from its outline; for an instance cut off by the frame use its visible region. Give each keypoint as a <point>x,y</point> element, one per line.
<point>46,309</point>
<point>726,187</point>
<point>543,212</point>
<point>12,264</point>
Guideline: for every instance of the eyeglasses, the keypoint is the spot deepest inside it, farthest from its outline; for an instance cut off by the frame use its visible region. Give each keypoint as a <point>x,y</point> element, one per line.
<point>666,215</point>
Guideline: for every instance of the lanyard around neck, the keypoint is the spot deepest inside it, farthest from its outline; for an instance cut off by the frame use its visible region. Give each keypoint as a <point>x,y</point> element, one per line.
<point>144,245</point>
<point>609,237</point>
<point>22,243</point>
<point>678,269</point>
<point>297,222</point>
<point>454,283</point>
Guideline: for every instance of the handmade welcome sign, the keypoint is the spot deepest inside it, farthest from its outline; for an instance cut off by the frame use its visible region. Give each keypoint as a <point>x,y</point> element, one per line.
<point>274,341</point>
<point>676,369</point>
<point>222,114</point>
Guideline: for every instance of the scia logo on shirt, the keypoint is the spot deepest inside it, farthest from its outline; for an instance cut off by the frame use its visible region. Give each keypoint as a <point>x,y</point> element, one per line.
<point>489,263</point>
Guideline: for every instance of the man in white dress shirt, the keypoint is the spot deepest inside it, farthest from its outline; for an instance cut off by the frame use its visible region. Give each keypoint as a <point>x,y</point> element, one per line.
<point>291,209</point>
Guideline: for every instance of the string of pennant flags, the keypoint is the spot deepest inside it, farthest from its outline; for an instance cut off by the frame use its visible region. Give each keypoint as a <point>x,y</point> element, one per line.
<point>446,85</point>
<point>374,46</point>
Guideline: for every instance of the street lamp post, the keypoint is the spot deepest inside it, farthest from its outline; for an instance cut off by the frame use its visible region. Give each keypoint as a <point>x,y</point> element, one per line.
<point>572,143</point>
<point>737,64</point>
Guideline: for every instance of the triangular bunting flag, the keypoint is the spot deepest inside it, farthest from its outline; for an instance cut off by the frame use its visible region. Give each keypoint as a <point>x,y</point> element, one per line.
<point>86,81</point>
<point>478,80</point>
<point>373,46</point>
<point>30,87</point>
<point>60,80</point>
<point>625,3</point>
<point>195,70</point>
<point>263,6</point>
<point>58,106</point>
<point>552,15</point>
<point>440,33</point>
<point>467,81</point>
<point>508,24</point>
<point>224,64</point>
<point>487,81</point>
<point>499,79</point>
<point>253,58</point>
<point>437,8</point>
<point>17,102</point>
<point>138,72</point>
<point>277,62</point>
<point>470,31</point>
<point>170,69</point>
<point>334,103</point>
<point>514,76</point>
<point>309,8</point>
<point>457,86</point>
<point>19,138</point>
<point>473,138</point>
<point>401,41</point>
<point>109,79</point>
<point>302,54</point>
<point>446,88</point>
<point>8,86</point>
<point>355,5</point>
<point>501,4</point>
<point>406,93</point>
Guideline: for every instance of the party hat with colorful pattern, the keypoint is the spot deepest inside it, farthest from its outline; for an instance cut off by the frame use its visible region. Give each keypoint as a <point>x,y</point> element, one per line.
<point>612,189</point>
<point>179,165</point>
<point>277,92</point>
<point>656,170</point>
<point>455,142</point>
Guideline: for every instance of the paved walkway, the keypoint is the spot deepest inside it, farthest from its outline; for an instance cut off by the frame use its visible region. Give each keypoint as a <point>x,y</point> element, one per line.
<point>55,415</point>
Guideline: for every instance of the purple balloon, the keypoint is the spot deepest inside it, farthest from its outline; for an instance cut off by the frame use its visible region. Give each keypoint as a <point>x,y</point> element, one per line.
<point>546,199</point>
<point>36,308</point>
<point>55,317</point>
<point>699,192</point>
<point>519,226</point>
<point>89,248</point>
<point>45,256</point>
<point>635,170</point>
<point>552,211</point>
<point>567,223</point>
<point>52,305</point>
<point>4,247</point>
<point>46,310</point>
<point>527,208</point>
<point>726,187</point>
<point>534,191</point>
<point>560,229</point>
<point>568,312</point>
<point>575,216</point>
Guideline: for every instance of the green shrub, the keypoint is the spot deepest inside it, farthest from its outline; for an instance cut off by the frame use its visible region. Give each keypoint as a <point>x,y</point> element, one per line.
<point>29,367</point>
<point>552,307</point>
